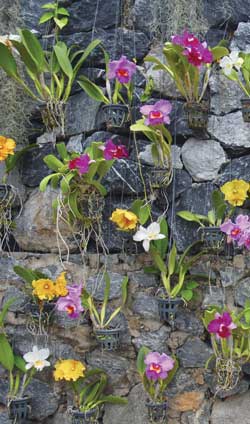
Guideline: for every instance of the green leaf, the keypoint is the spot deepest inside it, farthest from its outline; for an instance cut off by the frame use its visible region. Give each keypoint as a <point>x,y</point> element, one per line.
<point>6,353</point>
<point>106,297</point>
<point>46,17</point>
<point>53,163</point>
<point>191,284</point>
<point>7,62</point>
<point>187,294</point>
<point>65,182</point>
<point>61,52</point>
<point>141,366</point>
<point>20,363</point>
<point>159,263</point>
<point>73,204</point>
<point>171,373</point>
<point>124,290</point>
<point>34,48</point>
<point>219,52</point>
<point>5,309</point>
<point>61,148</point>
<point>172,260</point>
<point>45,181</point>
<point>62,22</point>
<point>86,53</point>
<point>115,400</point>
<point>189,216</point>
<point>62,11</point>
<point>92,89</point>
<point>28,275</point>
<point>162,245</point>
<point>141,210</point>
<point>49,6</point>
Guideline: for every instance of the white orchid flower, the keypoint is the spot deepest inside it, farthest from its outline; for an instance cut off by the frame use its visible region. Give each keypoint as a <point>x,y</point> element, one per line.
<point>37,358</point>
<point>227,63</point>
<point>146,235</point>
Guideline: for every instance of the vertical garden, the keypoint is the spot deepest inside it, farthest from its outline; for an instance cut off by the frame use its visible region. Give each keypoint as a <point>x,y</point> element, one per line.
<point>124,212</point>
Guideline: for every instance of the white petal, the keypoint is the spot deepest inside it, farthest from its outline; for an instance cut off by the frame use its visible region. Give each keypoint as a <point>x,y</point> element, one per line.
<point>154,227</point>
<point>44,353</point>
<point>146,245</point>
<point>35,348</point>
<point>29,357</point>
<point>159,236</point>
<point>140,235</point>
<point>234,55</point>
<point>28,366</point>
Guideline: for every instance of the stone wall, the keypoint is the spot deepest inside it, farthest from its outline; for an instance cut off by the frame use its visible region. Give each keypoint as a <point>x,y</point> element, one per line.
<point>202,161</point>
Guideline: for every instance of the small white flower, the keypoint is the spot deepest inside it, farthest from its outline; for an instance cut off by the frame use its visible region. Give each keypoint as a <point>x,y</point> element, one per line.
<point>146,235</point>
<point>37,358</point>
<point>227,63</point>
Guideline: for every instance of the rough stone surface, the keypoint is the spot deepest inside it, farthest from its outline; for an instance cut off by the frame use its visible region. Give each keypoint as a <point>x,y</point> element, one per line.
<point>33,167</point>
<point>237,168</point>
<point>156,341</point>
<point>241,38</point>
<point>96,285</point>
<point>213,296</point>
<point>225,94</point>
<point>145,306</point>
<point>232,12</point>
<point>194,353</point>
<point>147,158</point>
<point>233,410</point>
<point>186,321</point>
<point>35,230</point>
<point>219,127</point>
<point>242,291</point>
<point>203,158</point>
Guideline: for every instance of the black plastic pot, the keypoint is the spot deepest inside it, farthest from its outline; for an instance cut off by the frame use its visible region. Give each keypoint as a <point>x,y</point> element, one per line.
<point>109,339</point>
<point>116,116</point>
<point>159,177</point>
<point>213,237</point>
<point>157,412</point>
<point>197,115</point>
<point>168,307</point>
<point>19,410</point>
<point>245,109</point>
<point>90,416</point>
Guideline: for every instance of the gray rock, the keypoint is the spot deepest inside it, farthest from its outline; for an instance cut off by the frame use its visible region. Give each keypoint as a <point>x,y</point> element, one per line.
<point>33,168</point>
<point>134,412</point>
<point>237,169</point>
<point>242,291</point>
<point>44,401</point>
<point>181,182</point>
<point>146,306</point>
<point>219,127</point>
<point>4,418</point>
<point>194,353</point>
<point>233,410</point>
<point>203,158</point>
<point>196,199</point>
<point>186,321</point>
<point>225,94</point>
<point>124,177</point>
<point>114,364</point>
<point>81,114</point>
<point>141,279</point>
<point>75,144</point>
<point>84,16</point>
<point>156,340</point>
<point>35,229</point>
<point>201,416</point>
<point>147,158</point>
<point>230,276</point>
<point>30,11</point>
<point>232,12</point>
<point>213,296</point>
<point>96,285</point>
<point>21,299</point>
<point>241,38</point>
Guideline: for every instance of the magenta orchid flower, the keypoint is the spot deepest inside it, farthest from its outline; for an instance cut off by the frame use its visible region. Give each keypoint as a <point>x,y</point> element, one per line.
<point>158,365</point>
<point>113,151</point>
<point>157,113</point>
<point>81,164</point>
<point>186,40</point>
<point>238,231</point>
<point>71,304</point>
<point>232,230</point>
<point>196,52</point>
<point>222,325</point>
<point>122,69</point>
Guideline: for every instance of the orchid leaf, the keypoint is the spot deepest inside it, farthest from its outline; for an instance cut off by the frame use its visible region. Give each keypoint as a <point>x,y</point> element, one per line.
<point>61,52</point>
<point>189,216</point>
<point>92,90</point>
<point>7,62</point>
<point>140,364</point>
<point>61,148</point>
<point>34,48</point>
<point>85,55</point>
<point>53,163</point>
<point>171,373</point>
<point>162,244</point>
<point>6,353</point>
<point>45,181</point>
<point>219,52</point>
<point>20,363</point>
<point>5,309</point>
<point>73,205</point>
<point>172,260</point>
<point>105,297</point>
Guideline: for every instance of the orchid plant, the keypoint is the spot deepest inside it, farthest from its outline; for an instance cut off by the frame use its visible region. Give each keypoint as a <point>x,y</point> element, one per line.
<point>230,338</point>
<point>98,314</point>
<point>88,386</point>
<point>49,75</point>
<point>80,177</point>
<point>21,369</point>
<point>189,63</point>
<point>236,67</point>
<point>156,372</point>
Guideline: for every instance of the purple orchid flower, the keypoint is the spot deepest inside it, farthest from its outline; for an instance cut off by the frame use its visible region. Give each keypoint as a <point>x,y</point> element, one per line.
<point>81,163</point>
<point>121,69</point>
<point>196,52</point>
<point>71,304</point>
<point>238,231</point>
<point>157,113</point>
<point>232,230</point>
<point>186,40</point>
<point>222,325</point>
<point>113,151</point>
<point>158,365</point>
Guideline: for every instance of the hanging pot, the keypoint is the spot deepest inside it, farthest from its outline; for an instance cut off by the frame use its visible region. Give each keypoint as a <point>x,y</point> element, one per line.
<point>46,312</point>
<point>109,339</point>
<point>86,417</point>
<point>168,307</point>
<point>159,177</point>
<point>157,412</point>
<point>116,116</point>
<point>197,115</point>
<point>213,237</point>
<point>19,410</point>
<point>245,109</point>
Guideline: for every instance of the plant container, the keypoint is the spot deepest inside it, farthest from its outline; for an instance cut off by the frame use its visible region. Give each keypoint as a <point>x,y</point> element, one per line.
<point>157,412</point>
<point>19,410</point>
<point>213,237</point>
<point>245,109</point>
<point>168,307</point>
<point>197,115</point>
<point>109,339</point>
<point>116,116</point>
<point>86,417</point>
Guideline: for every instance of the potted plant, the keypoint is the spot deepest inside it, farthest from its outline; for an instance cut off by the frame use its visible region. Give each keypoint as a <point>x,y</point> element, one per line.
<point>50,74</point>
<point>189,63</point>
<point>231,194</point>
<point>21,371</point>
<point>43,293</point>
<point>230,338</point>
<point>88,387</point>
<point>118,99</point>
<point>173,270</point>
<point>152,125</point>
<point>80,201</point>
<point>108,335</point>
<point>156,372</point>
<point>236,67</point>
